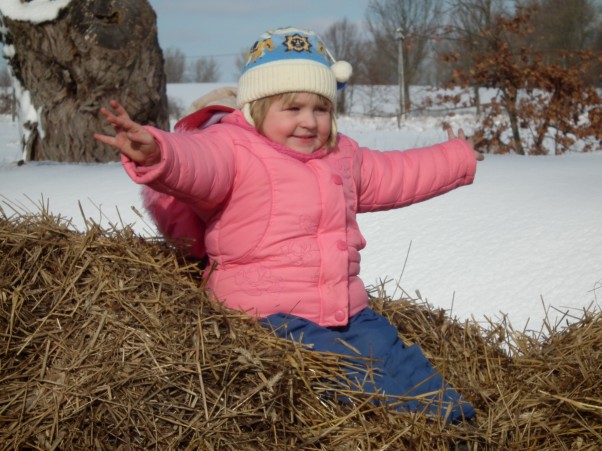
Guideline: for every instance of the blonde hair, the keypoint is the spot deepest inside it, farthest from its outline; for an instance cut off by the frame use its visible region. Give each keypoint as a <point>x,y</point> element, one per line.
<point>258,110</point>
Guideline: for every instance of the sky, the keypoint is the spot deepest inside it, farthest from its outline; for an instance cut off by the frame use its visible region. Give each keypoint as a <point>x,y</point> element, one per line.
<point>220,29</point>
<point>225,29</point>
<point>522,240</point>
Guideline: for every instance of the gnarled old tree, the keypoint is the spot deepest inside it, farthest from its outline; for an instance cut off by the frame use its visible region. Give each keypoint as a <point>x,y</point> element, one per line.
<point>69,57</point>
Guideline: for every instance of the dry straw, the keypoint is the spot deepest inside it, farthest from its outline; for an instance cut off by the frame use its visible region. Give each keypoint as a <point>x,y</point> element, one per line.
<point>107,341</point>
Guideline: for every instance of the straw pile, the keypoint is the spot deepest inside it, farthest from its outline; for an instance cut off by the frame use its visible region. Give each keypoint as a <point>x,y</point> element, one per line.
<point>107,341</point>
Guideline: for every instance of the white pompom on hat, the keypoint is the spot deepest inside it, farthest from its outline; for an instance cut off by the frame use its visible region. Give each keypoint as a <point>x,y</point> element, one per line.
<point>290,60</point>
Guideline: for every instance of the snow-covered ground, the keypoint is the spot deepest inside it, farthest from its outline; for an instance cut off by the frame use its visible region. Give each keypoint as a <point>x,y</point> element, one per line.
<point>523,239</point>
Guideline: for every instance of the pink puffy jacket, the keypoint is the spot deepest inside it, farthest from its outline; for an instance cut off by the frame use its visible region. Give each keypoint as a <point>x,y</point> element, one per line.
<point>280,225</point>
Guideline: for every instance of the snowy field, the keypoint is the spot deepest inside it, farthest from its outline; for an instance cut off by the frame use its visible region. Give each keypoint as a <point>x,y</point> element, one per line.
<point>523,241</point>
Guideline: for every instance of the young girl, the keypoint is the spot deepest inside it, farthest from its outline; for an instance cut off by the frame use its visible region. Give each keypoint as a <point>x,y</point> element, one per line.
<point>275,190</point>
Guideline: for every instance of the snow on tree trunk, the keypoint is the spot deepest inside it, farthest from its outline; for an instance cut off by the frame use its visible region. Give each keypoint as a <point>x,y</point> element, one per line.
<point>68,58</point>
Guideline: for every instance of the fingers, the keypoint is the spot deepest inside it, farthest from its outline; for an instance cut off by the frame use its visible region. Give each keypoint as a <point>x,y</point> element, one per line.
<point>110,140</point>
<point>120,122</point>
<point>140,137</point>
<point>113,120</point>
<point>119,110</point>
<point>119,115</point>
<point>451,135</point>
<point>131,138</point>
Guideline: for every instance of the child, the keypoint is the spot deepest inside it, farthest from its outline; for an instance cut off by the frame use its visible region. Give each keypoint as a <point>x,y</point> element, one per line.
<point>276,191</point>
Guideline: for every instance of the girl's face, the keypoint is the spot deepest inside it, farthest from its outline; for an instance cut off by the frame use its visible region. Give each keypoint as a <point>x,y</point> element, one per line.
<point>302,124</point>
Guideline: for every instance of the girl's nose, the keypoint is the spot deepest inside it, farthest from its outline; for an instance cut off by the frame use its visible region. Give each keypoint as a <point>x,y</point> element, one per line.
<point>308,119</point>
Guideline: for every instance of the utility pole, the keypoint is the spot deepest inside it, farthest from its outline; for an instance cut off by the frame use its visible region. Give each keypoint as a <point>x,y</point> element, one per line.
<point>402,95</point>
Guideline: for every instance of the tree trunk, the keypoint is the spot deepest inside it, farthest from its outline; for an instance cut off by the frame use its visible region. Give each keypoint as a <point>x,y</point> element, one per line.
<point>65,68</point>
<point>477,98</point>
<point>510,98</point>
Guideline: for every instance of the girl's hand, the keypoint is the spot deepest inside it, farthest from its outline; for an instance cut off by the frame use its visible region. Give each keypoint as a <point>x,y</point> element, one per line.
<point>131,139</point>
<point>451,135</point>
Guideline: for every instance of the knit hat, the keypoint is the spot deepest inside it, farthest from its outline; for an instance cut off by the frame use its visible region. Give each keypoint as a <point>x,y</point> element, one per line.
<point>290,60</point>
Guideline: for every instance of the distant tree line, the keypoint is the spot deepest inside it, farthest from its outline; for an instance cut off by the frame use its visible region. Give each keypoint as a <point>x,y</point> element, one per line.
<point>432,29</point>
<point>543,58</point>
<point>179,70</point>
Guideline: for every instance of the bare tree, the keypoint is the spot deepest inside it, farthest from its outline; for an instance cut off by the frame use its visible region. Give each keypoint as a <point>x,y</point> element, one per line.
<point>563,28</point>
<point>239,61</point>
<point>175,65</point>
<point>205,70</point>
<point>563,25</point>
<point>343,38</point>
<point>418,21</point>
<point>471,24</point>
<point>595,73</point>
<point>64,68</point>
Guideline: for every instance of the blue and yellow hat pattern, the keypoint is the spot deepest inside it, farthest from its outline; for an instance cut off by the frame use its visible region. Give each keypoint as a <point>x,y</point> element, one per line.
<point>290,60</point>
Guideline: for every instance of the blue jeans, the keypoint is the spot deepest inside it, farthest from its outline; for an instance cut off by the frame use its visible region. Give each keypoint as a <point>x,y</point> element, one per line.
<point>386,366</point>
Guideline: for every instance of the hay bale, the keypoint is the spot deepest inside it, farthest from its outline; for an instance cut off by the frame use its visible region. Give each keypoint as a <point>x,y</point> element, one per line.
<point>107,341</point>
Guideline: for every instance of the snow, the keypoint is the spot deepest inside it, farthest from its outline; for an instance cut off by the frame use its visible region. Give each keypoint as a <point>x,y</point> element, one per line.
<point>34,11</point>
<point>28,116</point>
<point>523,241</point>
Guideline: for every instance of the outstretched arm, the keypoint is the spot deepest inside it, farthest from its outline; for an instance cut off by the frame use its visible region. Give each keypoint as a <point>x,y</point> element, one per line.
<point>131,138</point>
<point>393,179</point>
